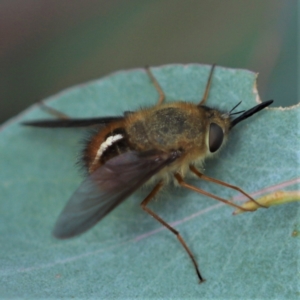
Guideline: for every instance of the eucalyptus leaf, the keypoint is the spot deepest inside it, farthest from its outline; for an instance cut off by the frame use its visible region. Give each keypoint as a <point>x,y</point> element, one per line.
<point>128,254</point>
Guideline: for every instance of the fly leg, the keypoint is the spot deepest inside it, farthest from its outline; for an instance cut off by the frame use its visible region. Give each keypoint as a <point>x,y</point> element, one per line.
<point>157,86</point>
<point>52,111</point>
<point>174,231</point>
<point>204,177</point>
<point>200,191</point>
<point>208,84</point>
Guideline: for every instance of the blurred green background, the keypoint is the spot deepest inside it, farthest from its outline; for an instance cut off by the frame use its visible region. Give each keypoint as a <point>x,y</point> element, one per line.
<point>46,46</point>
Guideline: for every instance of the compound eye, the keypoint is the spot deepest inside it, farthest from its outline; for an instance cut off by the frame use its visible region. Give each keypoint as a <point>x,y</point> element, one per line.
<point>216,137</point>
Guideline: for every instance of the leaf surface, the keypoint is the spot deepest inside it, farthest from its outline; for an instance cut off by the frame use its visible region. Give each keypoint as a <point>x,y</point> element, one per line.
<point>128,254</point>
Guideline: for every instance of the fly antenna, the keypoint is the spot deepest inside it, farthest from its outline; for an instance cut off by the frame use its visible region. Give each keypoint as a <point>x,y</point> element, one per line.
<point>238,112</point>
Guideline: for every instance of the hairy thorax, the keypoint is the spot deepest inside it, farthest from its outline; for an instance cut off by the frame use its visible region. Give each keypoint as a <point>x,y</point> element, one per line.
<point>177,126</point>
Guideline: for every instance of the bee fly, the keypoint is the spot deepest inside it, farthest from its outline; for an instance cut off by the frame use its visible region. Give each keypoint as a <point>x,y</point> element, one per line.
<point>160,143</point>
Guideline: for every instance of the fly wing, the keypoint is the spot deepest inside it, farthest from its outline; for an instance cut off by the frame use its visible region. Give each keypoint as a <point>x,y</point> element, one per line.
<point>107,187</point>
<point>72,122</point>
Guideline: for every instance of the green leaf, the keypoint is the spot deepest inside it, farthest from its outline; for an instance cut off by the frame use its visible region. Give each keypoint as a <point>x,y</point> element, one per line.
<point>128,254</point>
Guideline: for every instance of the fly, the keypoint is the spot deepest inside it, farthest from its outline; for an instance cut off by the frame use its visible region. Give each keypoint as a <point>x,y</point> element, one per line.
<point>157,144</point>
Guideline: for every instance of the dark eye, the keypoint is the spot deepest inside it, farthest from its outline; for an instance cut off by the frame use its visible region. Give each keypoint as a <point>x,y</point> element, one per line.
<point>216,136</point>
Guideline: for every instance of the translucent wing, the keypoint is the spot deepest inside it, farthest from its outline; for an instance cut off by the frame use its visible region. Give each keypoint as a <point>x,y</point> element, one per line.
<point>107,187</point>
<point>72,122</point>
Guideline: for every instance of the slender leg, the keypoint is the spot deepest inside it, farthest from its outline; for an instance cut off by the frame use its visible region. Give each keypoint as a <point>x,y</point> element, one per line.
<point>160,220</point>
<point>200,191</point>
<point>204,177</point>
<point>207,88</point>
<point>161,93</point>
<point>54,112</point>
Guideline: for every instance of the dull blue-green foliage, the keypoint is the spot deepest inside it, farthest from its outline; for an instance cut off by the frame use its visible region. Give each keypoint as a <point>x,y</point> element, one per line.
<point>127,255</point>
